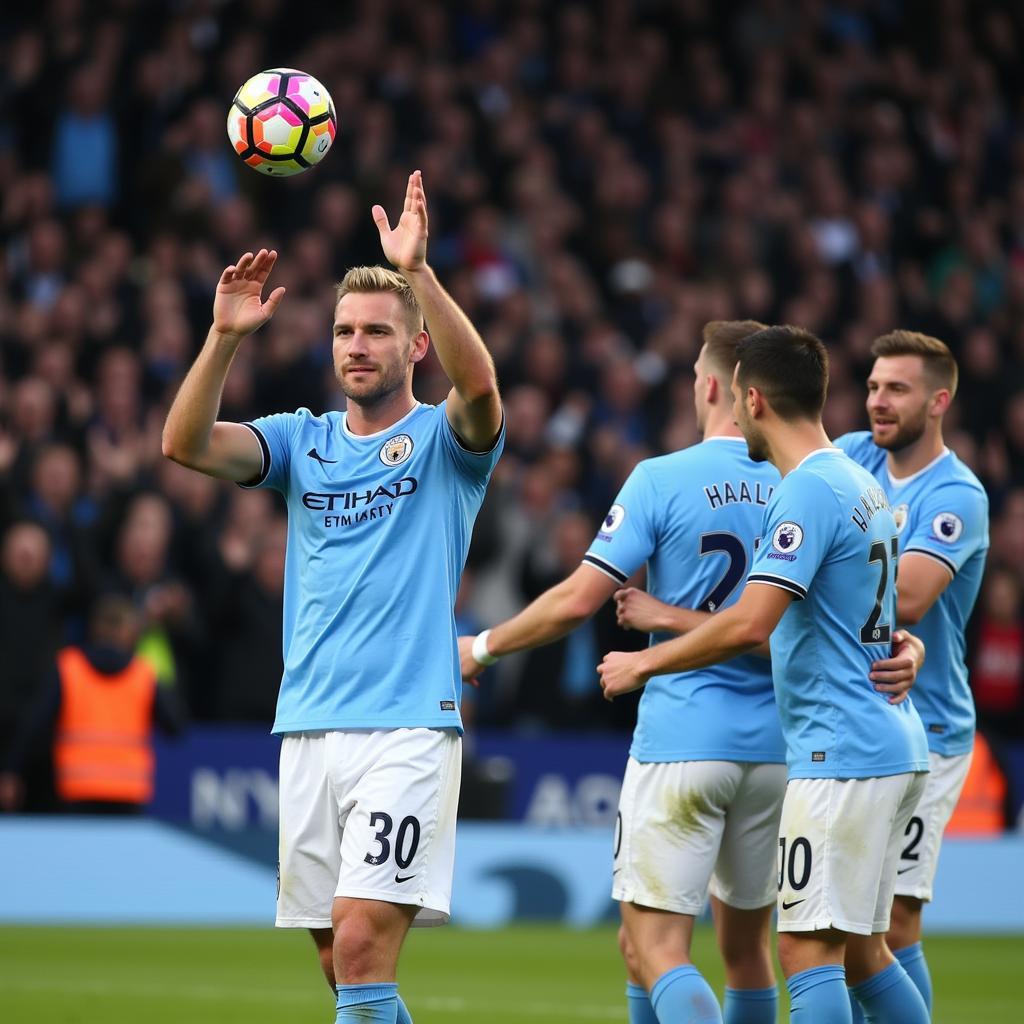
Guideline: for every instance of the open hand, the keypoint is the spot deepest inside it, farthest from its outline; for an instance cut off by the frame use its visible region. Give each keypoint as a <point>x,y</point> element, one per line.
<point>238,306</point>
<point>405,245</point>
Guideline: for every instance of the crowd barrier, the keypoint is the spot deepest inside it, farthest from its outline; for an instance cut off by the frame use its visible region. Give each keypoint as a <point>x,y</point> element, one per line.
<point>114,871</point>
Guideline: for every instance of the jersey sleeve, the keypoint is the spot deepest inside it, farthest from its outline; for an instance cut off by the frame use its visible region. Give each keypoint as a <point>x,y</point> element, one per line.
<point>276,435</point>
<point>951,526</point>
<point>478,465</point>
<point>799,528</point>
<point>626,538</point>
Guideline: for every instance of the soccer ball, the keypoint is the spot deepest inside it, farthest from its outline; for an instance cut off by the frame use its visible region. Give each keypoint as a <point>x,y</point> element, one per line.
<point>282,122</point>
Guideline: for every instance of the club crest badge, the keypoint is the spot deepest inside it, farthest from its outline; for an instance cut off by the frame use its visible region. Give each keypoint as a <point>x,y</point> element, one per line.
<point>396,450</point>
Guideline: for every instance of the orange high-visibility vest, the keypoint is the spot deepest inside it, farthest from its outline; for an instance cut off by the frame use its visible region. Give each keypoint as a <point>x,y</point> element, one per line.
<point>980,810</point>
<point>103,749</point>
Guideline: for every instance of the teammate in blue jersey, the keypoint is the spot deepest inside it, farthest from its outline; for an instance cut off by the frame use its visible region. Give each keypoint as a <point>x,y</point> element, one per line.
<point>704,783</point>
<point>381,501</point>
<point>941,512</point>
<point>822,588</point>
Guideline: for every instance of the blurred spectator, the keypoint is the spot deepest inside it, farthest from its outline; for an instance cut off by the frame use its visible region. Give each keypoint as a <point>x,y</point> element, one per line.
<point>558,687</point>
<point>246,607</point>
<point>96,709</point>
<point>30,620</point>
<point>997,645</point>
<point>85,145</point>
<point>747,159</point>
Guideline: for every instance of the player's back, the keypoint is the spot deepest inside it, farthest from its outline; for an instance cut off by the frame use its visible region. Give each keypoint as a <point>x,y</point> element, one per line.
<point>942,512</point>
<point>830,539</point>
<point>694,516</point>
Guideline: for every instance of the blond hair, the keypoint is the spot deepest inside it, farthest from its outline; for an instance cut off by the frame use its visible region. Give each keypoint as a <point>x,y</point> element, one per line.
<point>366,280</point>
<point>720,340</point>
<point>939,364</point>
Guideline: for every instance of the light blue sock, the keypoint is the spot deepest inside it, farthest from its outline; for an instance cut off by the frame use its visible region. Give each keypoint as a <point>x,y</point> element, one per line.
<point>855,1011</point>
<point>683,994</point>
<point>404,1016</point>
<point>376,1003</point>
<point>819,996</point>
<point>639,1003</point>
<point>750,1005</point>
<point>890,997</point>
<point>914,963</point>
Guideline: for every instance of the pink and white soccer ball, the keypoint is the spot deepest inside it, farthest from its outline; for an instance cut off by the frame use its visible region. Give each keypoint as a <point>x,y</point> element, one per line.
<point>282,122</point>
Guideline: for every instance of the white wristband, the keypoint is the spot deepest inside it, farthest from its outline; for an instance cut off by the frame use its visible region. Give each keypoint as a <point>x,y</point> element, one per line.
<point>480,653</point>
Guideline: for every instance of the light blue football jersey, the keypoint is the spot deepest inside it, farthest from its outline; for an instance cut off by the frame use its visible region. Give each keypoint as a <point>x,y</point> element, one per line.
<point>942,512</point>
<point>829,538</point>
<point>693,517</point>
<point>378,530</point>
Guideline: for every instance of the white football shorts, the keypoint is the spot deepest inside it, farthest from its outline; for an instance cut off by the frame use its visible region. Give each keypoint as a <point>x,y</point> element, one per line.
<point>919,856</point>
<point>685,826</point>
<point>367,814</point>
<point>839,844</point>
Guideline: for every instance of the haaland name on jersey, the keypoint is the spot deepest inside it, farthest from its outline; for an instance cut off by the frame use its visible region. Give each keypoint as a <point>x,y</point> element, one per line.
<point>746,492</point>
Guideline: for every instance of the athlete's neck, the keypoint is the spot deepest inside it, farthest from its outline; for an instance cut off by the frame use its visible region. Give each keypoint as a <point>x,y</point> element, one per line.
<point>790,443</point>
<point>912,459</point>
<point>721,426</point>
<point>371,418</point>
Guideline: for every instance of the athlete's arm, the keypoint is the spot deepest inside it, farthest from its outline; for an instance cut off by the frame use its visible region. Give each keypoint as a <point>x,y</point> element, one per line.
<point>559,610</point>
<point>737,630</point>
<point>474,406</point>
<point>636,609</point>
<point>192,435</point>
<point>921,580</point>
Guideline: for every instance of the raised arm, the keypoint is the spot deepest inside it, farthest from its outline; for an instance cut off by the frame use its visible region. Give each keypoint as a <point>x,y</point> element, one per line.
<point>557,611</point>
<point>192,435</point>
<point>474,406</point>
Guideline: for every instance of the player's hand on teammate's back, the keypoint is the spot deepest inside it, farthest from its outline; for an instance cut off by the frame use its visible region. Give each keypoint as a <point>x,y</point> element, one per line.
<point>896,674</point>
<point>636,609</point>
<point>618,674</point>
<point>238,306</point>
<point>405,245</point>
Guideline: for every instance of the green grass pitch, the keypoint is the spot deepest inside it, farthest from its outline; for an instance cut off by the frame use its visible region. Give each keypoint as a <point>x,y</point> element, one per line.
<point>535,975</point>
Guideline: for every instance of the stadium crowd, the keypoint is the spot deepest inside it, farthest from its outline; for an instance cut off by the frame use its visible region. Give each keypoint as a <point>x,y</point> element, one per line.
<point>604,179</point>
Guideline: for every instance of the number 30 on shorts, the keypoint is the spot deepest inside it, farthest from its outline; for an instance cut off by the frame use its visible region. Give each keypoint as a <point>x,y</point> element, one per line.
<point>407,839</point>
<point>797,866</point>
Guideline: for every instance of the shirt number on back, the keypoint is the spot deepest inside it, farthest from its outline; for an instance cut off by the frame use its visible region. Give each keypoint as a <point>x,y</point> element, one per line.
<point>731,545</point>
<point>873,631</point>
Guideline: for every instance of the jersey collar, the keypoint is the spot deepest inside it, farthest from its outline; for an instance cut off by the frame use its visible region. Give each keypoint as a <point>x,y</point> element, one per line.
<point>902,481</point>
<point>830,450</point>
<point>378,433</point>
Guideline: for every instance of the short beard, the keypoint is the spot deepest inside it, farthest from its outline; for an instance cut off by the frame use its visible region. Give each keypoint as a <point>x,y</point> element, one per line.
<point>909,433</point>
<point>757,450</point>
<point>388,382</point>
